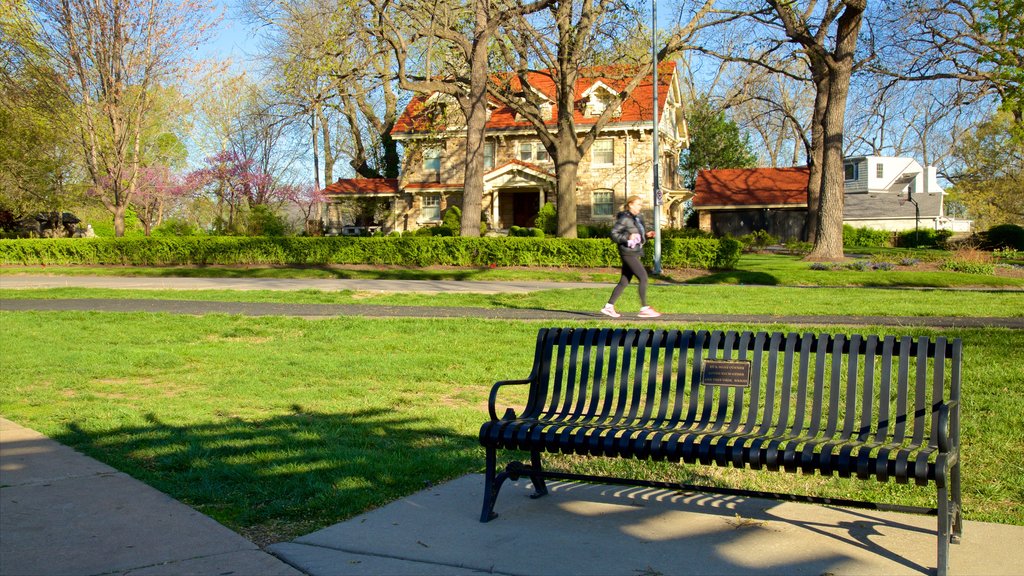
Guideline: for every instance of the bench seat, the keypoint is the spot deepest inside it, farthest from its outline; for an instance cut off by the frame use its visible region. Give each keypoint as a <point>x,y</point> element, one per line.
<point>865,407</point>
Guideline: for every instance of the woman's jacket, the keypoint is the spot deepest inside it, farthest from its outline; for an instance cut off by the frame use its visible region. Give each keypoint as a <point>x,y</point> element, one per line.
<point>626,225</point>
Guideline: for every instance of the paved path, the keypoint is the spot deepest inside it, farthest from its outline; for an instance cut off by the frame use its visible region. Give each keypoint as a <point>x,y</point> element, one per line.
<point>63,513</point>
<point>330,310</point>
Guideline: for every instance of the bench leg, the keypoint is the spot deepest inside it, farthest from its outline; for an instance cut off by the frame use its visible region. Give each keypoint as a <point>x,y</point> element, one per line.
<point>539,487</point>
<point>492,484</point>
<point>954,488</point>
<point>943,530</point>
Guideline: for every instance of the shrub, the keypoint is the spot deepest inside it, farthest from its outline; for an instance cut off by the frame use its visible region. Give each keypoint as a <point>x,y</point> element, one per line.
<point>452,220</point>
<point>866,237</point>
<point>547,219</point>
<point>799,247</point>
<point>859,265</point>
<point>265,222</point>
<point>176,227</point>
<point>969,261</point>
<point>409,250</point>
<point>521,232</point>
<point>758,240</point>
<point>823,266</point>
<point>1004,236</point>
<point>926,238</point>
<point>598,231</point>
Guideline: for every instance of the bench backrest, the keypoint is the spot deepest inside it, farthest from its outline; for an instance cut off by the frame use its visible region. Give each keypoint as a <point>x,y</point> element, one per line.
<point>874,389</point>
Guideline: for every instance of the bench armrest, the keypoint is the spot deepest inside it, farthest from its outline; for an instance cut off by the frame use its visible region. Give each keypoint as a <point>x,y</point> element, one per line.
<point>494,396</point>
<point>945,433</point>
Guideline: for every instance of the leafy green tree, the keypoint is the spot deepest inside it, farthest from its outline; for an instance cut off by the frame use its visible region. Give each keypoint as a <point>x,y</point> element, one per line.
<point>39,169</point>
<point>715,142</point>
<point>1002,23</point>
<point>991,183</point>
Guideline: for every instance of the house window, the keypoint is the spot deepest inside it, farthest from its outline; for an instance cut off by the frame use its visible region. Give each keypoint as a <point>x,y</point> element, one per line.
<point>489,155</point>
<point>532,152</point>
<point>879,170</point>
<point>603,203</point>
<point>432,160</point>
<point>852,173</point>
<point>431,207</point>
<point>602,153</point>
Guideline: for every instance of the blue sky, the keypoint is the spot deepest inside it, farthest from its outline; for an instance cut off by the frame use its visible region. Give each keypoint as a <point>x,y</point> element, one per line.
<point>233,37</point>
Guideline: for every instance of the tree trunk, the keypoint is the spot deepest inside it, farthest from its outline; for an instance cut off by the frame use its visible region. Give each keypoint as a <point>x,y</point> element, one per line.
<point>119,220</point>
<point>566,169</point>
<point>828,244</point>
<point>475,108</point>
<point>815,159</point>
<point>328,152</point>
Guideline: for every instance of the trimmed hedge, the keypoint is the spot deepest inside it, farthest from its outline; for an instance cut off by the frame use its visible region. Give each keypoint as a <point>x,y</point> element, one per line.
<point>400,251</point>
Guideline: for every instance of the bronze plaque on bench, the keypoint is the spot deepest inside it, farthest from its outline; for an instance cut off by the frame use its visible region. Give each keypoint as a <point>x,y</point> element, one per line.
<point>725,373</point>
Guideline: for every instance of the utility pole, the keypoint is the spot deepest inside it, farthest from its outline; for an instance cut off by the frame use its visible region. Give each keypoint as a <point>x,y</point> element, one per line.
<point>656,162</point>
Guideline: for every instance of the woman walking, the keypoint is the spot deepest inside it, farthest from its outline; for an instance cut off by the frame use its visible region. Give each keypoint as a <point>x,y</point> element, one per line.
<point>629,234</point>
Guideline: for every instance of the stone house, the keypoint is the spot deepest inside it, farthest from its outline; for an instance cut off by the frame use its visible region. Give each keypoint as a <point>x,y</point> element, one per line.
<point>519,175</point>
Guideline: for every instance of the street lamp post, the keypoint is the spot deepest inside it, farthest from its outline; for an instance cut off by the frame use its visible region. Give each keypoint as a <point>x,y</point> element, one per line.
<point>655,162</point>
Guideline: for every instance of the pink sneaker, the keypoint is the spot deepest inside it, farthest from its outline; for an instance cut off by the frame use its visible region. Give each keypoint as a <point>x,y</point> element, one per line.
<point>648,312</point>
<point>609,310</point>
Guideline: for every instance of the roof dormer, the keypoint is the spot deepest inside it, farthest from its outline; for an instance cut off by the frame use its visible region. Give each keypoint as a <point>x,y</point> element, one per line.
<point>598,98</point>
<point>546,105</point>
<point>443,111</point>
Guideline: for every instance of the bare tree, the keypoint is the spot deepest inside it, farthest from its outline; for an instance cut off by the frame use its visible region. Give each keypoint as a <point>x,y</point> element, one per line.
<point>115,53</point>
<point>465,32</point>
<point>828,37</point>
<point>579,34</point>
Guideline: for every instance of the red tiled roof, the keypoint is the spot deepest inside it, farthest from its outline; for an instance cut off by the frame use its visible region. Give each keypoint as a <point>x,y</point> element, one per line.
<point>363,186</point>
<point>751,187</point>
<point>637,107</point>
<point>433,185</point>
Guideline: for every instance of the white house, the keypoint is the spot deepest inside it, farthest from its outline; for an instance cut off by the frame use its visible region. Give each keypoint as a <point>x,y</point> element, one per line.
<point>881,192</point>
<point>895,193</point>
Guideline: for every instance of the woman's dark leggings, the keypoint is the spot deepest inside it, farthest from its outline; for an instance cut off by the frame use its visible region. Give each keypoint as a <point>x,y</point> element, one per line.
<point>631,267</point>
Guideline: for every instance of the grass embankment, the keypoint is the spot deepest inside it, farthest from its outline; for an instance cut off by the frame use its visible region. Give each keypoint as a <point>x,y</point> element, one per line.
<point>279,426</point>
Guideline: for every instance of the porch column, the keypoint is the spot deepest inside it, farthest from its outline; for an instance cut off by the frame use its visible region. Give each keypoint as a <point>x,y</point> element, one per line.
<point>494,208</point>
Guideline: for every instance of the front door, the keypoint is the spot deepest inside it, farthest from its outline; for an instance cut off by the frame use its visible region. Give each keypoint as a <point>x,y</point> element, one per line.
<point>525,206</point>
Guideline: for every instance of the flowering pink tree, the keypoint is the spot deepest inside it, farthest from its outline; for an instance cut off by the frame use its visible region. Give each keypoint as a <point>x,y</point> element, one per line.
<point>231,180</point>
<point>156,191</point>
<point>307,199</point>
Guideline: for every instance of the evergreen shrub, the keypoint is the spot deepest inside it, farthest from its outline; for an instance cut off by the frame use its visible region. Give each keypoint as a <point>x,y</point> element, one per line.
<point>410,250</point>
<point>866,237</point>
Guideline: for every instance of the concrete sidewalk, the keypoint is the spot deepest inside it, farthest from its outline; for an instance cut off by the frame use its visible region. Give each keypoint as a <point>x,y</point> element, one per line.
<point>63,513</point>
<point>609,530</point>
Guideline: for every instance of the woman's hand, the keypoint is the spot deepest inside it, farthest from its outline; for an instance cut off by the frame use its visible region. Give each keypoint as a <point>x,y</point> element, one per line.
<point>650,233</point>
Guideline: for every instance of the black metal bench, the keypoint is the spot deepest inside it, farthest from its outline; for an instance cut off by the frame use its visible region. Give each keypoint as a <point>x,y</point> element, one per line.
<point>856,406</point>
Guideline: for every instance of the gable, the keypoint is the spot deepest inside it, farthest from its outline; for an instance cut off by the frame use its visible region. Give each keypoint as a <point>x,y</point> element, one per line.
<point>518,173</point>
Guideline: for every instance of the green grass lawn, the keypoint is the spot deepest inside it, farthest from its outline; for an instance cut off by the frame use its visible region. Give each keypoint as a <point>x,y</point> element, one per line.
<point>753,269</point>
<point>279,426</point>
<point>671,299</point>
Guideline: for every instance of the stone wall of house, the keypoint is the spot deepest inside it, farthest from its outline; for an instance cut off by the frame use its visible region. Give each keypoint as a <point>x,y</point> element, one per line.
<point>620,179</point>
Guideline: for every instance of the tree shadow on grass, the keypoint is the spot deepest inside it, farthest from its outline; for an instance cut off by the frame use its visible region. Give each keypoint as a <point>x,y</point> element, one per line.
<point>735,277</point>
<point>276,478</point>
